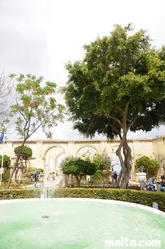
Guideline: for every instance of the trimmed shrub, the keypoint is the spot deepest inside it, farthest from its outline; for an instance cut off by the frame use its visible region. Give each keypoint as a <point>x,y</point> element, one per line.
<point>135,196</point>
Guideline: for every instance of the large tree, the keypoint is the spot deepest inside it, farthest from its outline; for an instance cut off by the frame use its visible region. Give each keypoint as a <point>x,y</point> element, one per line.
<point>118,86</point>
<point>35,108</point>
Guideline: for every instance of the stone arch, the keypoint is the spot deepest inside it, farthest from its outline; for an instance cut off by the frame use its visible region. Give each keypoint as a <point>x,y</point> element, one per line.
<point>50,158</point>
<point>53,146</point>
<point>86,150</point>
<point>59,159</point>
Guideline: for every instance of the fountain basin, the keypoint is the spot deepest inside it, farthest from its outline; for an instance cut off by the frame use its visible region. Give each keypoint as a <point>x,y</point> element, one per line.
<point>77,223</point>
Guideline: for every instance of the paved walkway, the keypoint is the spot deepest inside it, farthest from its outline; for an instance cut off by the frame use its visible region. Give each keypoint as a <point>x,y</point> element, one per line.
<point>47,184</point>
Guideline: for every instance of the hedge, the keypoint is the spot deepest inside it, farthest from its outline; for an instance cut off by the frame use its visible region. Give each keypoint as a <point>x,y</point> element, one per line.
<point>135,196</point>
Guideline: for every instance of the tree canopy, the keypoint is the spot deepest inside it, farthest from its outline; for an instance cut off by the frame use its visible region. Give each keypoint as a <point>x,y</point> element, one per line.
<point>150,166</point>
<point>78,168</point>
<point>26,152</point>
<point>5,161</point>
<point>35,107</point>
<point>118,86</point>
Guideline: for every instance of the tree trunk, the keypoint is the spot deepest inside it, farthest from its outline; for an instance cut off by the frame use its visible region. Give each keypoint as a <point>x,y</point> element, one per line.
<point>15,164</point>
<point>78,181</point>
<point>119,179</point>
<point>15,178</point>
<point>125,179</point>
<point>125,164</point>
<point>23,172</point>
<point>12,172</point>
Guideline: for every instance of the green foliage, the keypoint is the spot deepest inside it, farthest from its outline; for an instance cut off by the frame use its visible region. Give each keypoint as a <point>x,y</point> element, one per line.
<point>26,152</point>
<point>19,194</point>
<point>151,166</point>
<point>118,86</point>
<point>140,197</point>
<point>101,163</point>
<point>121,76</point>
<point>6,161</point>
<point>35,106</point>
<point>79,168</point>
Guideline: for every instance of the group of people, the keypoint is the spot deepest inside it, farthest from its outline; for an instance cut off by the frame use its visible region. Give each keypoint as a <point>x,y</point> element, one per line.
<point>154,185</point>
<point>52,176</point>
<point>38,178</point>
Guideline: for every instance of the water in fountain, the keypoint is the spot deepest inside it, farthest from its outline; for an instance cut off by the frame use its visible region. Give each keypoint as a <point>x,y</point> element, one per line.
<point>49,185</point>
<point>76,223</point>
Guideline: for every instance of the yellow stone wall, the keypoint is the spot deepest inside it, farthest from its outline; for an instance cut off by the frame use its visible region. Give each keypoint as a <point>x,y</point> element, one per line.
<point>154,148</point>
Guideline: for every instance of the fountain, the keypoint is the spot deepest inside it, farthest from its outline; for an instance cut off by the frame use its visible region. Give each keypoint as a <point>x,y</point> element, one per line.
<point>77,223</point>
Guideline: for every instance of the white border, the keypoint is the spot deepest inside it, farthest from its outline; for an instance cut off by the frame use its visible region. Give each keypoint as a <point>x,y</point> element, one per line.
<point>150,209</point>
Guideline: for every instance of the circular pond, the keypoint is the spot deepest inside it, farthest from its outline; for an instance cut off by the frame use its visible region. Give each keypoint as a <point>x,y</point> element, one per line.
<point>79,224</point>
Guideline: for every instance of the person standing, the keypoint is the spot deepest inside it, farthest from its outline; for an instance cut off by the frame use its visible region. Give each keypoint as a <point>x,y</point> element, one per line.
<point>36,176</point>
<point>53,176</point>
<point>114,177</point>
<point>41,179</point>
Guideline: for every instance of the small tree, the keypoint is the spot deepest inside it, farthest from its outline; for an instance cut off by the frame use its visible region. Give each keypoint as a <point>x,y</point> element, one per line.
<point>102,164</point>
<point>26,152</point>
<point>5,162</point>
<point>78,168</point>
<point>22,164</point>
<point>150,166</point>
<point>35,108</point>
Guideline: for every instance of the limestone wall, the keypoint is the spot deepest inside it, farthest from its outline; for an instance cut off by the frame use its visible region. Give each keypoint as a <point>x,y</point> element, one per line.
<point>154,148</point>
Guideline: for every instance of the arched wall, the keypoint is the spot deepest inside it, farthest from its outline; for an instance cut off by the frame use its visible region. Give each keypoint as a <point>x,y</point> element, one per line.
<point>154,148</point>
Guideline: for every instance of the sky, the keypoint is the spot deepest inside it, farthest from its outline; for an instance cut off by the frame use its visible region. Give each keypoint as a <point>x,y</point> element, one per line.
<point>40,36</point>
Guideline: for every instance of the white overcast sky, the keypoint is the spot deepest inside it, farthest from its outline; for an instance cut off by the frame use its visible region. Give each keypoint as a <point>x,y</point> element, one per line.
<point>40,36</point>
